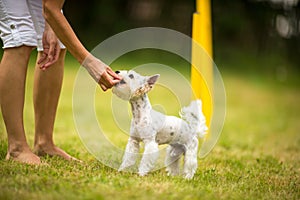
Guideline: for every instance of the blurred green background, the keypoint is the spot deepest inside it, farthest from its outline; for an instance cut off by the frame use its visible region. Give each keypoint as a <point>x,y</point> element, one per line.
<point>243,30</point>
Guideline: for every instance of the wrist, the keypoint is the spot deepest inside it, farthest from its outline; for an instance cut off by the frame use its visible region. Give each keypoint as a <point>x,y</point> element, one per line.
<point>47,28</point>
<point>81,55</point>
<point>87,60</point>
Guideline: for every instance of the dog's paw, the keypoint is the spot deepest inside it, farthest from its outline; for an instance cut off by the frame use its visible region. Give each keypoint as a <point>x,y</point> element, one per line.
<point>188,176</point>
<point>142,173</point>
<point>172,172</point>
<point>121,168</point>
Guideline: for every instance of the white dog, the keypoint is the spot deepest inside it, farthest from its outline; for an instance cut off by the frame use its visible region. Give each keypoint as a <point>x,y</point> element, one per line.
<point>154,128</point>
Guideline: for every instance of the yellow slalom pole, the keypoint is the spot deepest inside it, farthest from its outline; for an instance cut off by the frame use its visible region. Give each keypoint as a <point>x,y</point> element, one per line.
<point>202,64</point>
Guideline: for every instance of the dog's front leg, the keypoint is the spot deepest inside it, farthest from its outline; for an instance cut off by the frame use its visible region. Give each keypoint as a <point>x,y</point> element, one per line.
<point>190,159</point>
<point>131,153</point>
<point>149,157</point>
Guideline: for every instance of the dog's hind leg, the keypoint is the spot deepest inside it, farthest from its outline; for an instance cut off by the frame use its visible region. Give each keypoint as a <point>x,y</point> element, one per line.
<point>190,159</point>
<point>173,156</point>
<point>149,158</point>
<point>131,153</point>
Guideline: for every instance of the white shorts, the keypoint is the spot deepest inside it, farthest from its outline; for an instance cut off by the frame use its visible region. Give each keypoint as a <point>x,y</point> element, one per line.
<point>22,23</point>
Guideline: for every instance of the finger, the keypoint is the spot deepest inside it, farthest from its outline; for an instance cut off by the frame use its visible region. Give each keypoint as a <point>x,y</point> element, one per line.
<point>103,87</point>
<point>106,81</point>
<point>113,74</point>
<point>46,62</point>
<point>109,84</point>
<point>42,58</point>
<point>56,53</point>
<point>109,81</point>
<point>49,58</point>
<point>55,57</point>
<point>51,52</point>
<point>42,64</point>
<point>114,82</point>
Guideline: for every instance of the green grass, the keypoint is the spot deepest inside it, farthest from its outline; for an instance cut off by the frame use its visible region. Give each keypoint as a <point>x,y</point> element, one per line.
<point>257,156</point>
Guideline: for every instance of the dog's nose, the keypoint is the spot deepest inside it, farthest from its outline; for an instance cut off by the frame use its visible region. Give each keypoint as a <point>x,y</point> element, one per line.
<point>117,72</point>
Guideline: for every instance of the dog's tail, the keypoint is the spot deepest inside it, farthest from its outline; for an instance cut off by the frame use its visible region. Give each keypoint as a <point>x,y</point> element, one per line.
<point>193,115</point>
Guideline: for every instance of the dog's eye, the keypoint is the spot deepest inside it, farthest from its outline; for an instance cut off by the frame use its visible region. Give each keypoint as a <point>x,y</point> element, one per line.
<point>131,76</point>
<point>122,81</point>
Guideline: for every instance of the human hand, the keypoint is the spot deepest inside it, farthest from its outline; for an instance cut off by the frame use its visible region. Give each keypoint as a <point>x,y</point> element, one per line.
<point>101,73</point>
<point>51,48</point>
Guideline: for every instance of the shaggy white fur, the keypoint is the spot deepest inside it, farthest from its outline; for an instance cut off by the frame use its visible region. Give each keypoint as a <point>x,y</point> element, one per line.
<point>154,128</point>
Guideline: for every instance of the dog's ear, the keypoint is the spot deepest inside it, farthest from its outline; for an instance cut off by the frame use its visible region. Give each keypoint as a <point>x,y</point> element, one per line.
<point>152,79</point>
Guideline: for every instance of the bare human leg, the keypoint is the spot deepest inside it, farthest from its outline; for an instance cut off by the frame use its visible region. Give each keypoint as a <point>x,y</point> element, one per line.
<point>47,88</point>
<point>13,69</point>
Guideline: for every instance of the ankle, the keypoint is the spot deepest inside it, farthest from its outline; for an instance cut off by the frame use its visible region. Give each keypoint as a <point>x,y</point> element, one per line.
<point>14,150</point>
<point>43,142</point>
<point>42,146</point>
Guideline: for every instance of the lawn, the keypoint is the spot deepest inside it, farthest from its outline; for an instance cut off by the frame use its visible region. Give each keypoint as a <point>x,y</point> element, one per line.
<point>257,156</point>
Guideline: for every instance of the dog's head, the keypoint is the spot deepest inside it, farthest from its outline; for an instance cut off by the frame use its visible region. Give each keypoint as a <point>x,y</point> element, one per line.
<point>133,85</point>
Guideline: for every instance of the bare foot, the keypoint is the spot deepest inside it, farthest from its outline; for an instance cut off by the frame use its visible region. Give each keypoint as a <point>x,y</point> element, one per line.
<point>24,157</point>
<point>53,150</point>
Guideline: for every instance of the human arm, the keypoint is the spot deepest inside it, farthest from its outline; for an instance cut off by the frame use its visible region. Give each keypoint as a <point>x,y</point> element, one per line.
<point>101,73</point>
